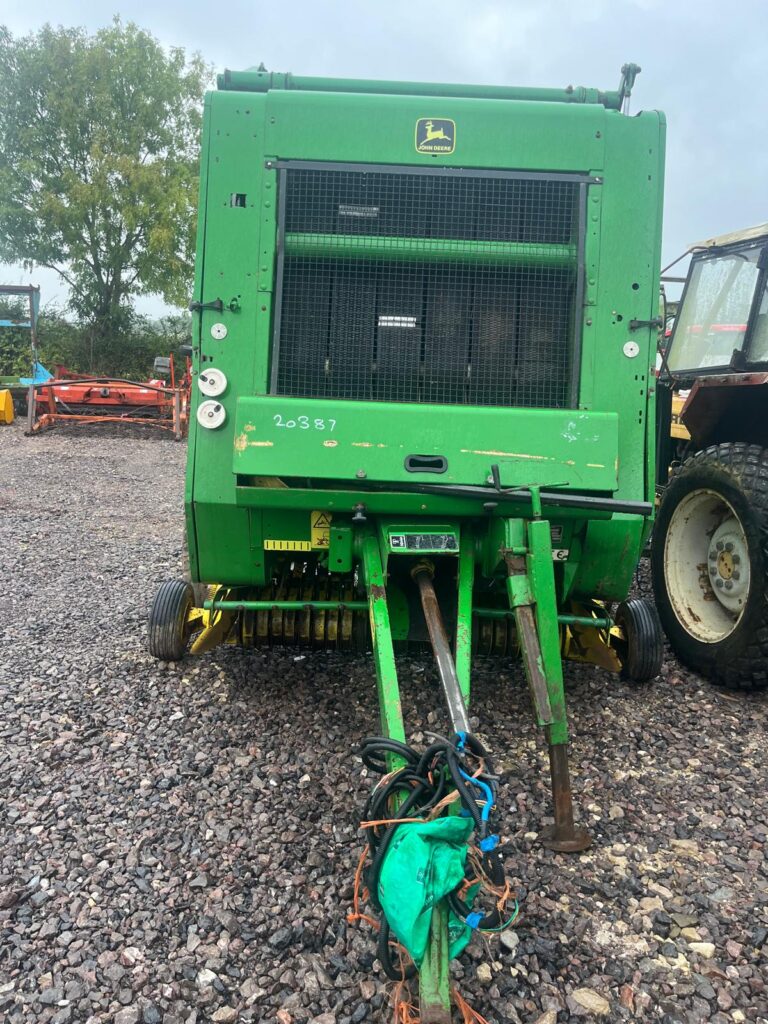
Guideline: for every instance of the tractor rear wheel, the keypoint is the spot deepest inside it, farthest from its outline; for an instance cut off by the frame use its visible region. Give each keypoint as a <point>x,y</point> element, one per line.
<point>643,648</point>
<point>168,632</point>
<point>709,562</point>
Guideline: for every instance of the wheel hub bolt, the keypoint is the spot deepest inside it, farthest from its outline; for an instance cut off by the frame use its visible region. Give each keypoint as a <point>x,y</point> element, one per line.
<point>736,574</point>
<point>720,545</point>
<point>712,555</point>
<point>729,546</point>
<point>729,584</point>
<point>736,559</point>
<point>719,583</point>
<point>712,570</point>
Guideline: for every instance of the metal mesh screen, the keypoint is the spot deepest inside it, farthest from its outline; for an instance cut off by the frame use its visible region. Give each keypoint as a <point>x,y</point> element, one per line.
<point>453,288</point>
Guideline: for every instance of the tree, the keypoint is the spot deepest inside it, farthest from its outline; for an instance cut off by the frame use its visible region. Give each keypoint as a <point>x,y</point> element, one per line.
<point>15,342</point>
<point>98,164</point>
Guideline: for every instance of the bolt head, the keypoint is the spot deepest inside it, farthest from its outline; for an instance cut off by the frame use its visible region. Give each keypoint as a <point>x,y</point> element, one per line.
<point>720,545</point>
<point>361,474</point>
<point>712,570</point>
<point>729,546</point>
<point>736,574</point>
<point>729,584</point>
<point>713,555</point>
<point>719,584</point>
<point>736,559</point>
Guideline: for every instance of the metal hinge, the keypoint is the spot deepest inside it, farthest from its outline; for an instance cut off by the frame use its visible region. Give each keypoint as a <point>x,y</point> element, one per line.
<point>196,307</point>
<point>657,322</point>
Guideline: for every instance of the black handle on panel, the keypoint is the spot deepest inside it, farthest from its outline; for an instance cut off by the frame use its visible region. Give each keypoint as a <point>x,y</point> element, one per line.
<point>426,463</point>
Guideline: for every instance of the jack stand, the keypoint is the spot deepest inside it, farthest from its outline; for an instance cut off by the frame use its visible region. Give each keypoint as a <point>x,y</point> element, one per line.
<point>563,836</point>
<point>527,553</point>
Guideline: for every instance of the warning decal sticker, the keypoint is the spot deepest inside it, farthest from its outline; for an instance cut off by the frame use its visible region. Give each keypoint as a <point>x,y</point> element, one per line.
<point>321,529</point>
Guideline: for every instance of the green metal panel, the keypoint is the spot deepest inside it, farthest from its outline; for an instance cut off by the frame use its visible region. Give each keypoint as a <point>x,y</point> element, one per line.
<point>609,558</point>
<point>489,133</point>
<point>224,544</point>
<point>346,440</point>
<point>623,285</point>
<point>202,217</point>
<point>232,165</point>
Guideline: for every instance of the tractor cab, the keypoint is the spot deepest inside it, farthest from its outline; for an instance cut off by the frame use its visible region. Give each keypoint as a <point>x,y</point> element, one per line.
<point>722,320</point>
<point>710,567</point>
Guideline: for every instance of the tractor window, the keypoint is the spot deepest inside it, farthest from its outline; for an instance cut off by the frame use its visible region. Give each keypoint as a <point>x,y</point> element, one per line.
<point>713,319</point>
<point>758,346</point>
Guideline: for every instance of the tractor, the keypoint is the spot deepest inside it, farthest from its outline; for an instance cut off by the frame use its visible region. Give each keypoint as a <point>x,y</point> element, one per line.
<point>710,541</point>
<point>424,414</point>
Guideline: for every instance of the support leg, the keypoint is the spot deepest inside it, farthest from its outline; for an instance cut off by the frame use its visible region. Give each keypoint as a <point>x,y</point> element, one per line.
<point>531,589</point>
<point>563,836</point>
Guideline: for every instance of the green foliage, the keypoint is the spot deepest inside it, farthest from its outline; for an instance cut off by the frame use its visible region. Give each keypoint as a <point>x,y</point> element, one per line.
<point>98,165</point>
<point>129,354</point>
<point>15,344</point>
<point>15,353</point>
<point>81,349</point>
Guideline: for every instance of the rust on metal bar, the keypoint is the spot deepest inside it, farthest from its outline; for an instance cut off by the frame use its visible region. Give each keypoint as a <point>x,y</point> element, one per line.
<point>563,836</point>
<point>534,671</point>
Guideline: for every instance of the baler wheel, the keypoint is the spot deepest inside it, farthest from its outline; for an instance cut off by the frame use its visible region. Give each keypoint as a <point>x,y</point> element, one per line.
<point>168,631</point>
<point>643,647</point>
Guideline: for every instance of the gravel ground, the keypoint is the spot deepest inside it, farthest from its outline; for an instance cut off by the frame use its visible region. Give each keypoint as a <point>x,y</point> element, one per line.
<point>177,843</point>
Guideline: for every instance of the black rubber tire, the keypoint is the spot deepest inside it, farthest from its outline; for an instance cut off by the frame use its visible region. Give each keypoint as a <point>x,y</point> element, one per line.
<point>644,653</point>
<point>738,472</point>
<point>167,620</point>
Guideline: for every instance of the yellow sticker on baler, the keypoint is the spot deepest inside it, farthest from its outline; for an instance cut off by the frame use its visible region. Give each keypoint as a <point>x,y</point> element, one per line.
<point>287,545</point>
<point>321,529</point>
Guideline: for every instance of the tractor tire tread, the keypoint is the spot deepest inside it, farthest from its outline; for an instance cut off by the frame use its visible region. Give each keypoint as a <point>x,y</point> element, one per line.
<point>747,668</point>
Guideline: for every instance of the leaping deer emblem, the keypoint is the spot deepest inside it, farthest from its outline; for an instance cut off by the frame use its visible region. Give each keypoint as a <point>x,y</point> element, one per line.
<point>434,133</point>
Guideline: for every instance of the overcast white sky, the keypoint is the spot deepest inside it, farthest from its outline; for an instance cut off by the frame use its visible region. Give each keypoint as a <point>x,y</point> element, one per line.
<point>704,64</point>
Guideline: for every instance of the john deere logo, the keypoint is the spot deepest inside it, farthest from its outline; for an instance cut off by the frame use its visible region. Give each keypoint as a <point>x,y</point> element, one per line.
<point>435,135</point>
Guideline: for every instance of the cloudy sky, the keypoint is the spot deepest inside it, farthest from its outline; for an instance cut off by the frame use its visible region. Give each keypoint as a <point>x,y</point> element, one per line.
<point>704,64</point>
